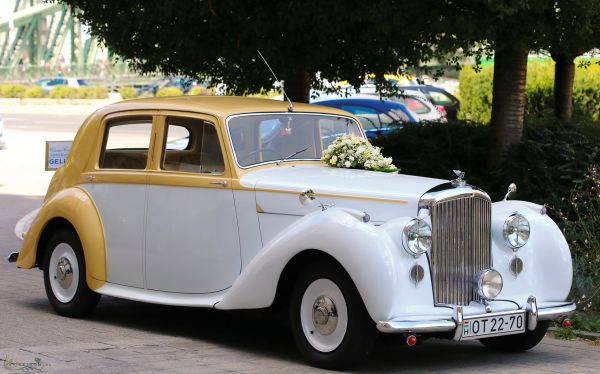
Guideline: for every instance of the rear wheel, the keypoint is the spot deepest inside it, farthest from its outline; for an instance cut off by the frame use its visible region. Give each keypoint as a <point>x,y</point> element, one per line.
<point>518,342</point>
<point>64,276</point>
<point>329,321</point>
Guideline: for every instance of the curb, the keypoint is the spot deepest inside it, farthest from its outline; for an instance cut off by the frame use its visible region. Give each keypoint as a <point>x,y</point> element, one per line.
<point>579,333</point>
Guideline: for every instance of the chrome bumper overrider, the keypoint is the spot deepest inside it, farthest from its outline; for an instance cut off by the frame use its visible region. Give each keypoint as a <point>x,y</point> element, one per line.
<point>449,324</point>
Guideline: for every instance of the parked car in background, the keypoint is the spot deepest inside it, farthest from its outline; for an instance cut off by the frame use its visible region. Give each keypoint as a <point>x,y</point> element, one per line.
<point>183,83</point>
<point>48,83</point>
<point>419,104</point>
<point>439,97</point>
<point>242,213</point>
<point>1,132</point>
<point>377,116</point>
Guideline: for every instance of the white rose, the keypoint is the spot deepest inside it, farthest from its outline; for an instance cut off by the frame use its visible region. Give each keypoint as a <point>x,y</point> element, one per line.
<point>347,164</point>
<point>334,160</point>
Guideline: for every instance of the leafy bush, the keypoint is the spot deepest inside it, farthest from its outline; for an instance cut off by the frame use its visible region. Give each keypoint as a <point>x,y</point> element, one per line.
<point>34,92</point>
<point>476,91</point>
<point>583,233</point>
<point>12,90</point>
<point>128,92</point>
<point>92,92</point>
<point>169,91</point>
<point>63,92</point>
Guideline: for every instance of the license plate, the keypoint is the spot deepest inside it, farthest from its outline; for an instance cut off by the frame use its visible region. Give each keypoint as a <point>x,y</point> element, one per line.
<point>493,325</point>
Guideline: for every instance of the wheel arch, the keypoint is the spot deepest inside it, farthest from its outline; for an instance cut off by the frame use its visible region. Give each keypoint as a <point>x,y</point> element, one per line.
<point>293,268</point>
<point>75,209</point>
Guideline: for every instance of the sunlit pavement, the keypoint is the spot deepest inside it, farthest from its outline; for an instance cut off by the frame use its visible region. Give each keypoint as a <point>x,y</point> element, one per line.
<point>123,336</point>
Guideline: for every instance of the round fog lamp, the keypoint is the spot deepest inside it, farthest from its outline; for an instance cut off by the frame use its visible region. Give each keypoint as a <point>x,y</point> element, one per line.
<point>416,238</point>
<point>516,230</point>
<point>488,283</point>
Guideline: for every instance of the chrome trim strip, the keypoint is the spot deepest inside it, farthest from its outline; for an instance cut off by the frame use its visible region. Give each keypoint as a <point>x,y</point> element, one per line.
<point>282,113</point>
<point>459,322</point>
<point>13,257</point>
<point>545,314</point>
<point>425,326</point>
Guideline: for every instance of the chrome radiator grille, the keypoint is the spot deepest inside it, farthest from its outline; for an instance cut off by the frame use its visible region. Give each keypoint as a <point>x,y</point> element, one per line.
<point>461,246</point>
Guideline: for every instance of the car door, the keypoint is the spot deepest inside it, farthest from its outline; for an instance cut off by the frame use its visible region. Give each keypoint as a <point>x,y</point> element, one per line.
<point>117,184</point>
<point>192,242</point>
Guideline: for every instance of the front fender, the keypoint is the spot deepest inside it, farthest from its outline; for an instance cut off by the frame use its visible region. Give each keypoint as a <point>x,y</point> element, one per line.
<point>366,252</point>
<point>78,208</point>
<point>547,266</point>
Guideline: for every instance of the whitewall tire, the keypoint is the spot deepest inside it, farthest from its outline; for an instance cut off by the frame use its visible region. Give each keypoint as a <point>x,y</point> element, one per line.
<point>64,276</point>
<point>329,321</point>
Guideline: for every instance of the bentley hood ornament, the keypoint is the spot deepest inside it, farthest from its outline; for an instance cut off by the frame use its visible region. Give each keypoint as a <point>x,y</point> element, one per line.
<point>459,181</point>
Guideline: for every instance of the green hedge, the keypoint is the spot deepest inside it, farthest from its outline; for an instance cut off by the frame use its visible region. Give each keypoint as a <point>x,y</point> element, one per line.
<point>475,91</point>
<point>128,92</point>
<point>63,92</point>
<point>12,90</point>
<point>34,92</point>
<point>549,167</point>
<point>169,91</point>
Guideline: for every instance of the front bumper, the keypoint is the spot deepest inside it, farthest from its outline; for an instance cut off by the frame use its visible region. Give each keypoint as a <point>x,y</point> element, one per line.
<point>429,325</point>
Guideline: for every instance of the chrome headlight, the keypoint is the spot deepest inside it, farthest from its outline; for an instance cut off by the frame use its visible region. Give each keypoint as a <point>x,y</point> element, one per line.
<point>416,238</point>
<point>516,230</point>
<point>488,283</point>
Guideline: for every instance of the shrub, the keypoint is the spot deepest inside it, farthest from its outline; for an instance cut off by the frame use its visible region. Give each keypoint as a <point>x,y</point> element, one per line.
<point>583,234</point>
<point>34,92</point>
<point>12,90</point>
<point>63,92</point>
<point>128,92</point>
<point>476,91</point>
<point>169,91</point>
<point>92,92</point>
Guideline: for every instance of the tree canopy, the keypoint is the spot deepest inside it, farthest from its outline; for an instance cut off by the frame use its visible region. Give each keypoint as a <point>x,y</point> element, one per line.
<point>218,40</point>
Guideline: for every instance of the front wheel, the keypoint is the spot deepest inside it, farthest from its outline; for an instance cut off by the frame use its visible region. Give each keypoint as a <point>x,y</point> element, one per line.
<point>329,321</point>
<point>518,342</point>
<point>64,276</point>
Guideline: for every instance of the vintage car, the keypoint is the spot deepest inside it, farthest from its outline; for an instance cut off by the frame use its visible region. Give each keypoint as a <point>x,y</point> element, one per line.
<point>223,202</point>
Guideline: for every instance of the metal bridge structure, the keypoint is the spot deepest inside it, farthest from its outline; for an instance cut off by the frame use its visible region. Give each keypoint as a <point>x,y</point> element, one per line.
<point>40,39</point>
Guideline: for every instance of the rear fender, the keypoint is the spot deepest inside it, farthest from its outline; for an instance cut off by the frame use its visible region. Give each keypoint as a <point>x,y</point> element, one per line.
<point>78,208</point>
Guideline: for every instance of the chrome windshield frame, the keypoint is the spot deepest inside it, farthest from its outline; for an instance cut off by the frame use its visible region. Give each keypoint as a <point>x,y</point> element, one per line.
<point>229,118</point>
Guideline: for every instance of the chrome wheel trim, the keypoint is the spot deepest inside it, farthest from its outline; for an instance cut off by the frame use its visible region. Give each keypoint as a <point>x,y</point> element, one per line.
<point>63,271</point>
<point>324,315</point>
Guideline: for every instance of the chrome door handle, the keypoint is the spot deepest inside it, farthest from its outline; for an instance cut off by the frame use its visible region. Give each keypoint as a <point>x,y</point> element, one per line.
<point>220,183</point>
<point>90,178</point>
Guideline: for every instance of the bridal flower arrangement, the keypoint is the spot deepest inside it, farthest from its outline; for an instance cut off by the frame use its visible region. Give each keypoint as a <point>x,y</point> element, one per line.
<point>353,152</point>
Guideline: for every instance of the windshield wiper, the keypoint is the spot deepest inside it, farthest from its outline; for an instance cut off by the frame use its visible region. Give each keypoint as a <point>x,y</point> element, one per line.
<point>292,155</point>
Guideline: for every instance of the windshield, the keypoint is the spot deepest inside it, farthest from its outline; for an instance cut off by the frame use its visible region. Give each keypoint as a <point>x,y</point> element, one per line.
<point>258,139</point>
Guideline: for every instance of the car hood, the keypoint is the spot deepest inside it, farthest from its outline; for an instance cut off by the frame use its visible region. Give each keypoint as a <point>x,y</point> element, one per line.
<point>382,195</point>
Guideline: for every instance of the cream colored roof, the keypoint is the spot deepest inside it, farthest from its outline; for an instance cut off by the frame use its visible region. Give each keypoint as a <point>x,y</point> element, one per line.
<point>222,106</point>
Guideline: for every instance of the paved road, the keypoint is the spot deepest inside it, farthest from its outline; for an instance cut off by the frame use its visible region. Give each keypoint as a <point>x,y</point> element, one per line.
<point>124,336</point>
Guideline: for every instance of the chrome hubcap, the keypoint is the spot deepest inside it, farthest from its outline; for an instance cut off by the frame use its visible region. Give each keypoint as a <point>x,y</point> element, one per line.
<point>64,273</point>
<point>325,317</point>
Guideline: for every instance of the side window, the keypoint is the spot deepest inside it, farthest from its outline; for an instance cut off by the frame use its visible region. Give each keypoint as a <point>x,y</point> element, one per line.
<point>440,98</point>
<point>192,145</point>
<point>126,144</point>
<point>367,116</point>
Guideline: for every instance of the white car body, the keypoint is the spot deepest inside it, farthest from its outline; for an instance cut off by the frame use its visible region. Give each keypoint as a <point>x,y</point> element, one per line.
<point>230,239</point>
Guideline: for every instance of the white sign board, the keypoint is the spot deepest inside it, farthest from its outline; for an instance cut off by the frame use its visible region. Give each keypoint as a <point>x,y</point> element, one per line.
<point>56,153</point>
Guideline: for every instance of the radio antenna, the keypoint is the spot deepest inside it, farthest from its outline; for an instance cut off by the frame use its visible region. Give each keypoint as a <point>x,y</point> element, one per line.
<point>291,106</point>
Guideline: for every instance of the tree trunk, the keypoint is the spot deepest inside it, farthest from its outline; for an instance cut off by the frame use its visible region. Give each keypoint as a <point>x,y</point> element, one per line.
<point>508,103</point>
<point>564,76</point>
<point>297,87</point>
